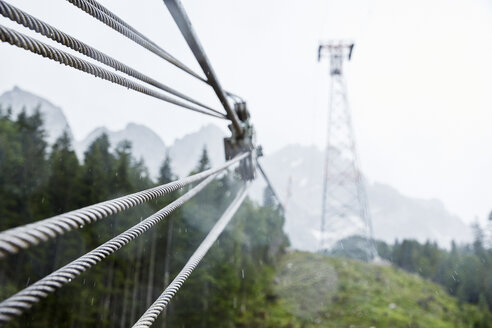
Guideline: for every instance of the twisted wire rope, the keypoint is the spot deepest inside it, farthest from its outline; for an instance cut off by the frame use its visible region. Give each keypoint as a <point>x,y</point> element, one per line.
<point>148,318</point>
<point>26,298</point>
<point>94,9</point>
<point>270,185</point>
<point>119,20</point>
<point>35,24</point>
<point>23,237</point>
<point>26,42</point>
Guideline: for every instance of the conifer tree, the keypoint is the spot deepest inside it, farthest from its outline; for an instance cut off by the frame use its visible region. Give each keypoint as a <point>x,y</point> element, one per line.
<point>98,171</point>
<point>204,162</point>
<point>34,164</point>
<point>165,172</point>
<point>62,188</point>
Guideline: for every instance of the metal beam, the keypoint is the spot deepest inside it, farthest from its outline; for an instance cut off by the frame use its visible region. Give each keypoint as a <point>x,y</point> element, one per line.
<point>181,18</point>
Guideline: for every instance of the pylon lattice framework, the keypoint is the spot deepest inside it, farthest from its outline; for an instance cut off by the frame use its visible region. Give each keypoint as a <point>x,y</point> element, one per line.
<point>344,210</point>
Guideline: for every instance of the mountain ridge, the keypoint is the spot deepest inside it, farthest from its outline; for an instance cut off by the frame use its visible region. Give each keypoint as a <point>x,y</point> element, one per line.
<point>295,169</point>
<point>146,144</point>
<point>18,100</point>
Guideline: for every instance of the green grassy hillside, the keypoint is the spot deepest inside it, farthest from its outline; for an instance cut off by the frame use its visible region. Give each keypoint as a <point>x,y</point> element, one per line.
<point>316,291</point>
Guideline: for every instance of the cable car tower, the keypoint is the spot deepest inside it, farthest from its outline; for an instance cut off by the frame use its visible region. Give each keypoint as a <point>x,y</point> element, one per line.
<point>344,209</point>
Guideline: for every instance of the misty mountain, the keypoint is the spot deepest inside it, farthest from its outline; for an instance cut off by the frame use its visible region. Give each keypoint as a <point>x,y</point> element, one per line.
<point>18,99</point>
<point>295,171</point>
<point>394,215</point>
<point>146,144</point>
<point>186,151</point>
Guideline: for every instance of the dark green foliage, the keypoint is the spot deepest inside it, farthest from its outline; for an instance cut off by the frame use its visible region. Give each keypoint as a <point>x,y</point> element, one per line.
<point>98,171</point>
<point>268,197</point>
<point>165,173</point>
<point>23,166</point>
<point>204,161</point>
<point>231,286</point>
<point>465,271</point>
<point>320,291</point>
<point>63,178</point>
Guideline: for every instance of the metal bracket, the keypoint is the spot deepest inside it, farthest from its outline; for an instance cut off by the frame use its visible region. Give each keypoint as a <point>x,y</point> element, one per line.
<point>244,142</point>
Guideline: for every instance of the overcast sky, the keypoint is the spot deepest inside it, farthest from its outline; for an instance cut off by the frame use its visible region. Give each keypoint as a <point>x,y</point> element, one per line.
<point>419,83</point>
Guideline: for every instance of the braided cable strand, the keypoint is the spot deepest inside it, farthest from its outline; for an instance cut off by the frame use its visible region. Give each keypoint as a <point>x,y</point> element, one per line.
<point>119,20</point>
<point>23,237</point>
<point>106,17</point>
<point>31,22</point>
<point>148,318</point>
<point>26,298</point>
<point>23,41</point>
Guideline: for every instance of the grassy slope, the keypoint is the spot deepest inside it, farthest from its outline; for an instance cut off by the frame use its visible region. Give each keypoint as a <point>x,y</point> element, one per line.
<point>316,291</point>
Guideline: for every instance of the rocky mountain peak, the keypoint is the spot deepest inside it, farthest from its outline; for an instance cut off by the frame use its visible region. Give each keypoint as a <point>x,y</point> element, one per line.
<point>18,99</point>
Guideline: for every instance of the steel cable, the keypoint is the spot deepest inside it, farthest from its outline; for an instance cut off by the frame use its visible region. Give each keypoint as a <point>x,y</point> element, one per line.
<point>119,20</point>
<point>32,23</point>
<point>23,237</point>
<point>93,8</point>
<point>23,41</point>
<point>26,298</point>
<point>181,19</point>
<point>270,186</point>
<point>163,300</point>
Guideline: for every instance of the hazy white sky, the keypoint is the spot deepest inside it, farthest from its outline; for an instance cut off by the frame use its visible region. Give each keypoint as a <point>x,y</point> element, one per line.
<point>419,83</point>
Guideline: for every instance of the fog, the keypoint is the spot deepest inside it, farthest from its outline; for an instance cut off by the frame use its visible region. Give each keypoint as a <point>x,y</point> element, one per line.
<point>418,83</point>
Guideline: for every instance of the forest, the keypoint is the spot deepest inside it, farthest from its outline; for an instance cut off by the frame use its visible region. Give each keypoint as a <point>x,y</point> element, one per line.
<point>230,287</point>
<point>465,271</point>
<point>236,284</point>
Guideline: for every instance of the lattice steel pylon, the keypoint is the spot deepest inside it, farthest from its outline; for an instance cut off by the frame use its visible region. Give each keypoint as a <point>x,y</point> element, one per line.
<point>344,211</point>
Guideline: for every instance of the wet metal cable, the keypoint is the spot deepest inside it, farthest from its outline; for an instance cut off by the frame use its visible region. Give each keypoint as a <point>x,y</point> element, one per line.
<point>23,41</point>
<point>125,24</point>
<point>181,18</point>
<point>119,20</point>
<point>26,298</point>
<point>31,22</point>
<point>109,20</point>
<point>269,184</point>
<point>23,237</point>
<point>148,318</point>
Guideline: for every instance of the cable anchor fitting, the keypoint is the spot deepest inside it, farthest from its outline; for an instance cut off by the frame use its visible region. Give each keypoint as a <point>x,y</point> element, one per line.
<point>241,143</point>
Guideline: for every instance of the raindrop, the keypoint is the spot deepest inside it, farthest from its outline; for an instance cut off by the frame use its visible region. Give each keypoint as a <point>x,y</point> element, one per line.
<point>242,273</point>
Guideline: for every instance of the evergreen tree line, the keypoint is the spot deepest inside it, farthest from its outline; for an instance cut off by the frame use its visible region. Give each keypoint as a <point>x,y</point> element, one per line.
<point>231,287</point>
<point>465,270</point>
